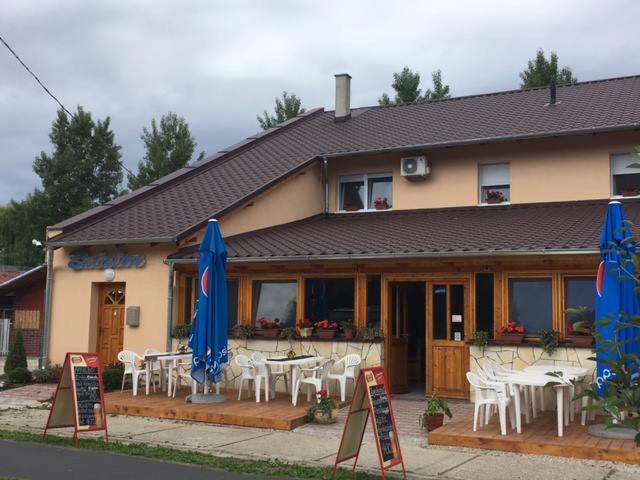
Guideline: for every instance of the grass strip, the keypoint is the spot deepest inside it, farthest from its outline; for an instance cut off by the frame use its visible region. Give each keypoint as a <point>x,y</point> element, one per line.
<point>275,468</point>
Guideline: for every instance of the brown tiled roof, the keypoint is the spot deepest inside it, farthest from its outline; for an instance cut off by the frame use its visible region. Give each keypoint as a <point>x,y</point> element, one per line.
<point>175,206</point>
<point>22,279</point>
<point>494,230</point>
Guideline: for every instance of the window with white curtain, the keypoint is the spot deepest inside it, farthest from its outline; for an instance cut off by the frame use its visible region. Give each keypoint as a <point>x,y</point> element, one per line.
<point>369,191</point>
<point>495,182</point>
<point>625,180</point>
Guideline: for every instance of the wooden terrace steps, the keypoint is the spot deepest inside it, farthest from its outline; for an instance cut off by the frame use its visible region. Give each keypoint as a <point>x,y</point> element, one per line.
<point>538,437</point>
<point>278,414</point>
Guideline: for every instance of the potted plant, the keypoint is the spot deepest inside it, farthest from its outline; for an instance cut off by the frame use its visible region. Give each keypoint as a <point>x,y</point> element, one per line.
<point>269,329</point>
<point>513,332</point>
<point>349,329</point>
<point>549,341</point>
<point>326,329</point>
<point>288,333</point>
<point>325,411</point>
<point>433,416</point>
<point>305,328</point>
<point>244,331</point>
<point>381,203</point>
<point>495,196</point>
<point>481,339</point>
<point>580,326</point>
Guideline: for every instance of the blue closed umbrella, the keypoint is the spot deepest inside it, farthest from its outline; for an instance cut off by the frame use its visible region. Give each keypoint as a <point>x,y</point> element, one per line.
<point>616,297</point>
<point>209,340</point>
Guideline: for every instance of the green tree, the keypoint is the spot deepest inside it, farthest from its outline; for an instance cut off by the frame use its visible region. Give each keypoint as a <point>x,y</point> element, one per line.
<point>407,87</point>
<point>84,169</point>
<point>440,90</point>
<point>169,148</point>
<point>17,357</point>
<point>287,107</point>
<point>540,72</point>
<point>406,84</point>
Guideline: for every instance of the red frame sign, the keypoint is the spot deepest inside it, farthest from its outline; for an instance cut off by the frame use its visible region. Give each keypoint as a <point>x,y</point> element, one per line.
<point>81,373</point>
<point>371,398</point>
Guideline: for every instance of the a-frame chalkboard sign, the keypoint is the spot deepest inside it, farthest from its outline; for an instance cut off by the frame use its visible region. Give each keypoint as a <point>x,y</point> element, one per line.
<point>371,398</point>
<point>79,398</point>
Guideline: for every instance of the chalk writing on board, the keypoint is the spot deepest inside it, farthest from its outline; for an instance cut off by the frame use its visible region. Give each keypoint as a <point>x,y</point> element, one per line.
<point>87,395</point>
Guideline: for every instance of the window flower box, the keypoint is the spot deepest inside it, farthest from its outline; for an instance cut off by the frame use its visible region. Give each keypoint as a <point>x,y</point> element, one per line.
<point>495,196</point>
<point>381,203</point>
<point>269,329</point>
<point>513,333</point>
<point>326,329</point>
<point>513,337</point>
<point>581,340</point>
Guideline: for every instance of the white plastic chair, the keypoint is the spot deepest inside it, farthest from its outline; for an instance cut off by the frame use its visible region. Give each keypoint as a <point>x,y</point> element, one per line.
<point>276,371</point>
<point>261,372</point>
<point>155,367</point>
<point>351,363</point>
<point>318,377</point>
<point>247,373</point>
<point>129,360</point>
<point>487,394</point>
<point>181,371</point>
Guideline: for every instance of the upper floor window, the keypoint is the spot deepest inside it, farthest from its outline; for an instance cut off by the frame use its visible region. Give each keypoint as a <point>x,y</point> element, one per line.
<point>369,191</point>
<point>494,183</point>
<point>625,179</point>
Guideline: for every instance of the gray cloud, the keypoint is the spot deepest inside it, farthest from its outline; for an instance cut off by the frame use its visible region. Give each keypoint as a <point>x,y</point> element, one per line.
<point>220,63</point>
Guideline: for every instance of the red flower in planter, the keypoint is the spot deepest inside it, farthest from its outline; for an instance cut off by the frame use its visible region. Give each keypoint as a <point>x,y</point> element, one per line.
<point>513,327</point>
<point>323,394</point>
<point>267,325</point>
<point>326,325</point>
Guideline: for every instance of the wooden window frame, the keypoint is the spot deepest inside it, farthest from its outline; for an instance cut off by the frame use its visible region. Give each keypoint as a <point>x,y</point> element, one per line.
<point>563,294</point>
<point>183,277</point>
<point>556,320</point>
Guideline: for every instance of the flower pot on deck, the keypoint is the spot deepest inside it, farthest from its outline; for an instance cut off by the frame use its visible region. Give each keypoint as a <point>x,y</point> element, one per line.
<point>431,422</point>
<point>324,418</point>
<point>581,340</point>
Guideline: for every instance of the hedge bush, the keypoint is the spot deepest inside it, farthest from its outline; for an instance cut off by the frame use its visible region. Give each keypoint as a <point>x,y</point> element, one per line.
<point>17,357</point>
<point>20,376</point>
<point>112,378</point>
<point>50,374</point>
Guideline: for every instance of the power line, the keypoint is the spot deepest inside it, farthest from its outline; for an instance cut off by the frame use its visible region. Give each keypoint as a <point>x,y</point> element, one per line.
<point>34,75</point>
<point>51,94</point>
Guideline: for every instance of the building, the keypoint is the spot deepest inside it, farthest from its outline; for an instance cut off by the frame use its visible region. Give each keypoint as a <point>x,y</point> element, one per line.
<point>22,305</point>
<point>422,223</point>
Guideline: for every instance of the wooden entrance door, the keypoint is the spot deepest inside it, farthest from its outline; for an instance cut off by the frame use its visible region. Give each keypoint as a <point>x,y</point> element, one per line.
<point>449,324</point>
<point>398,339</point>
<point>111,321</point>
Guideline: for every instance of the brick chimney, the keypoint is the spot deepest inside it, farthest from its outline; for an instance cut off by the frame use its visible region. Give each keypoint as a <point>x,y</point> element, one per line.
<point>343,97</point>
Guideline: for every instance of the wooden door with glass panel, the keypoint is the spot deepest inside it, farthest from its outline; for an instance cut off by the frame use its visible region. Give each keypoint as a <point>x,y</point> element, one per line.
<point>448,319</point>
<point>111,322</point>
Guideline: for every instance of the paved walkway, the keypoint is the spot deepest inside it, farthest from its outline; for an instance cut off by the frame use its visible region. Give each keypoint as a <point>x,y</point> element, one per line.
<point>28,396</point>
<point>316,446</point>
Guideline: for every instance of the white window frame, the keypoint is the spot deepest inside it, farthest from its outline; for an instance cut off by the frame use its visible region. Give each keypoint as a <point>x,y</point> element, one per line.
<point>616,170</point>
<point>481,185</point>
<point>363,177</point>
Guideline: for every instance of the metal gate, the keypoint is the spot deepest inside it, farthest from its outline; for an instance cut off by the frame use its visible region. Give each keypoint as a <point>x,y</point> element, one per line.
<point>5,324</point>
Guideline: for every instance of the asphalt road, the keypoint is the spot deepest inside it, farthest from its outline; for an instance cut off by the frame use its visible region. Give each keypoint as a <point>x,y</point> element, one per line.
<point>35,461</point>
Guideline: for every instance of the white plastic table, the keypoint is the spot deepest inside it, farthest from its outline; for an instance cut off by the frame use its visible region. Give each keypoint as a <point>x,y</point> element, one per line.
<point>538,378</point>
<point>173,357</point>
<point>568,373</point>
<point>295,364</point>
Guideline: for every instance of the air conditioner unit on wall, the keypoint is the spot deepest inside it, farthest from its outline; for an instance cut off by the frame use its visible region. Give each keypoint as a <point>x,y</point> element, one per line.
<point>414,168</point>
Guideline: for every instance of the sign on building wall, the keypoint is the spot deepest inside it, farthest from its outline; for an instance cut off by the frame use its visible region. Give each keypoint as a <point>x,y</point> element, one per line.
<point>83,261</point>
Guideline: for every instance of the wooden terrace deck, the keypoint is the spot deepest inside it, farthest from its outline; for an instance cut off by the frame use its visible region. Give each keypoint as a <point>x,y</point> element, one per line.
<point>538,437</point>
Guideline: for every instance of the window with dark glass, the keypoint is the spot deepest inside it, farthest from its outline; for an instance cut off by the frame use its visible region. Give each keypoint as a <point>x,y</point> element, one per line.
<point>625,177</point>
<point>484,303</point>
<point>330,299</point>
<point>440,312</point>
<point>530,303</point>
<point>275,299</point>
<point>369,191</point>
<point>373,301</point>
<point>580,304</point>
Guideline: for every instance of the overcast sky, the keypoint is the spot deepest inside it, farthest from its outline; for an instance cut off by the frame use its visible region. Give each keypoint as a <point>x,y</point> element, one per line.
<point>219,63</point>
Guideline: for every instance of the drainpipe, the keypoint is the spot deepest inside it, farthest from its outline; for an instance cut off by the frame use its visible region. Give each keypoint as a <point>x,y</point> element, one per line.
<point>172,271</point>
<point>325,184</point>
<point>44,350</point>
